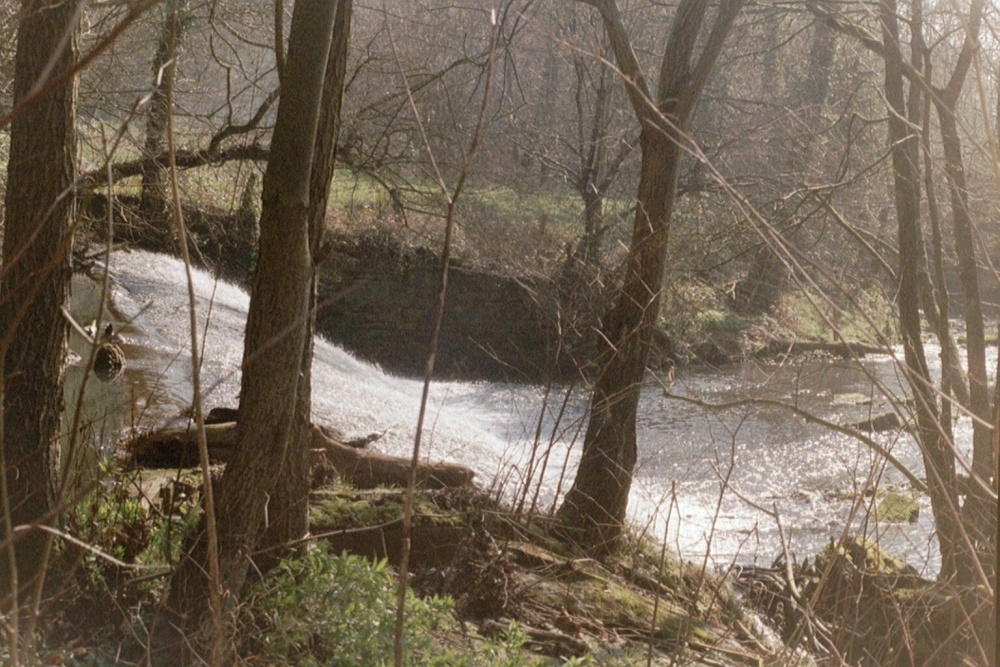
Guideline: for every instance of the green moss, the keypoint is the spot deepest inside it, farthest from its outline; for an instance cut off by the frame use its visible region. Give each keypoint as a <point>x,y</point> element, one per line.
<point>332,508</point>
<point>718,321</point>
<point>897,508</point>
<point>866,556</point>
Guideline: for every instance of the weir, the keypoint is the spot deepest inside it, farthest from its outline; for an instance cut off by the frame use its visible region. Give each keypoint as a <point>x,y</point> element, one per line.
<point>763,456</point>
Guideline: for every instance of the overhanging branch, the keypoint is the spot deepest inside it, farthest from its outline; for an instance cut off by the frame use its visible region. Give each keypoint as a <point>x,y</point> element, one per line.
<point>185,160</point>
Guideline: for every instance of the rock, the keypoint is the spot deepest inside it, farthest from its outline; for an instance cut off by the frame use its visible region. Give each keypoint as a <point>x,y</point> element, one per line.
<point>109,363</point>
<point>222,415</point>
<point>888,421</point>
<point>897,508</point>
<point>852,398</point>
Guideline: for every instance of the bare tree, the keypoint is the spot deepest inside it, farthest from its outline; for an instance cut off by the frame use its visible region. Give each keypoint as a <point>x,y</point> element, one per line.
<point>593,511</point>
<point>34,283</point>
<point>277,323</point>
<point>965,531</point>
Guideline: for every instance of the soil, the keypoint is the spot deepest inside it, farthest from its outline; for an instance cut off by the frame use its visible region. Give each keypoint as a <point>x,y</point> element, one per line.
<point>499,567</point>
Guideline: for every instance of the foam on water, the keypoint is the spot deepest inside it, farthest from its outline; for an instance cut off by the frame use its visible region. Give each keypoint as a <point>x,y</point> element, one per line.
<point>486,426</point>
<point>809,475</point>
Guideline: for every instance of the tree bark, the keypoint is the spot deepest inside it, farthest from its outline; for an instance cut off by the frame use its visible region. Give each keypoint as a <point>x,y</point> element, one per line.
<point>277,320</point>
<point>938,460</point>
<point>35,278</point>
<point>153,197</point>
<point>289,517</point>
<point>593,511</point>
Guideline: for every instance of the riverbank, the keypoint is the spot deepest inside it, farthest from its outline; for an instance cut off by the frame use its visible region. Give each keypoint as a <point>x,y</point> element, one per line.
<point>499,589</point>
<point>507,319</point>
<point>491,588</point>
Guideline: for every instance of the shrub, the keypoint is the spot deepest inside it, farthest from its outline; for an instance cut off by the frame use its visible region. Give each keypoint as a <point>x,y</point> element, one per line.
<point>321,608</point>
<point>718,321</point>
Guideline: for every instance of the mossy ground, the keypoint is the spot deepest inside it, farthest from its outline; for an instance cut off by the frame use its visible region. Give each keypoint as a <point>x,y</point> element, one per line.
<point>501,569</point>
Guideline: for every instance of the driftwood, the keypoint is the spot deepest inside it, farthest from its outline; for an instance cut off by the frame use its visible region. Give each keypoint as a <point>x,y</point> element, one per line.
<point>367,470</point>
<point>178,448</point>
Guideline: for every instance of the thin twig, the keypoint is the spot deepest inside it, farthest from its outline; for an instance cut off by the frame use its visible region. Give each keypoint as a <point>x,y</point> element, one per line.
<point>438,318</point>
<point>215,593</point>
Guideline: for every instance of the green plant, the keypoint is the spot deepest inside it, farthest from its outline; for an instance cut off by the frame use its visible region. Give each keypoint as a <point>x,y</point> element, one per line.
<point>717,321</point>
<point>506,650</point>
<point>321,608</point>
<point>111,518</point>
<point>167,535</point>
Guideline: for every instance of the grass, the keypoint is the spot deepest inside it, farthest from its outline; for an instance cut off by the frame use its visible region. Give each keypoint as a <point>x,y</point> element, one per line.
<point>557,206</point>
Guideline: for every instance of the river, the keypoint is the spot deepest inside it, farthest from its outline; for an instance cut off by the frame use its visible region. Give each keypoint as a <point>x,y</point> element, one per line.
<point>770,462</point>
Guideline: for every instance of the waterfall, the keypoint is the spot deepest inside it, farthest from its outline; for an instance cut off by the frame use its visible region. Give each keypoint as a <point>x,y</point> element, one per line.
<point>810,475</point>
<point>486,426</point>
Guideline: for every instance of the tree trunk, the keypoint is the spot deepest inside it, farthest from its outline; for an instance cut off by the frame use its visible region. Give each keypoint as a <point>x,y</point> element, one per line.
<point>593,511</point>
<point>938,460</point>
<point>595,506</point>
<point>35,278</point>
<point>589,251</point>
<point>153,197</point>
<point>979,512</point>
<point>277,320</point>
<point>289,517</point>
<point>953,378</point>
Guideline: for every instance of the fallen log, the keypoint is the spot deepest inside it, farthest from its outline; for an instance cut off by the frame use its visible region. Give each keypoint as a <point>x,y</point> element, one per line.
<point>178,448</point>
<point>780,346</point>
<point>366,470</point>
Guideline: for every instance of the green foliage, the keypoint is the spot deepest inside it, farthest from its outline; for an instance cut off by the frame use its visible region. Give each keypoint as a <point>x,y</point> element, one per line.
<point>325,609</point>
<point>718,321</point>
<point>798,313</point>
<point>111,519</point>
<point>505,651</point>
<point>340,611</point>
<point>167,535</point>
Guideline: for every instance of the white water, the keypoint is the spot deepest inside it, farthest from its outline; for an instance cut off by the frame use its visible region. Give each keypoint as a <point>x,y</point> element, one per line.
<point>806,473</point>
<point>485,426</point>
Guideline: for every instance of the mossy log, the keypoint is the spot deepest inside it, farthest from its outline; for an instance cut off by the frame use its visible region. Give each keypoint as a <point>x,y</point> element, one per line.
<point>781,346</point>
<point>178,448</point>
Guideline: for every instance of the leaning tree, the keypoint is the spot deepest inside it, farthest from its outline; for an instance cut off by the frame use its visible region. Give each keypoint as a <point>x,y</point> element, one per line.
<point>593,511</point>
